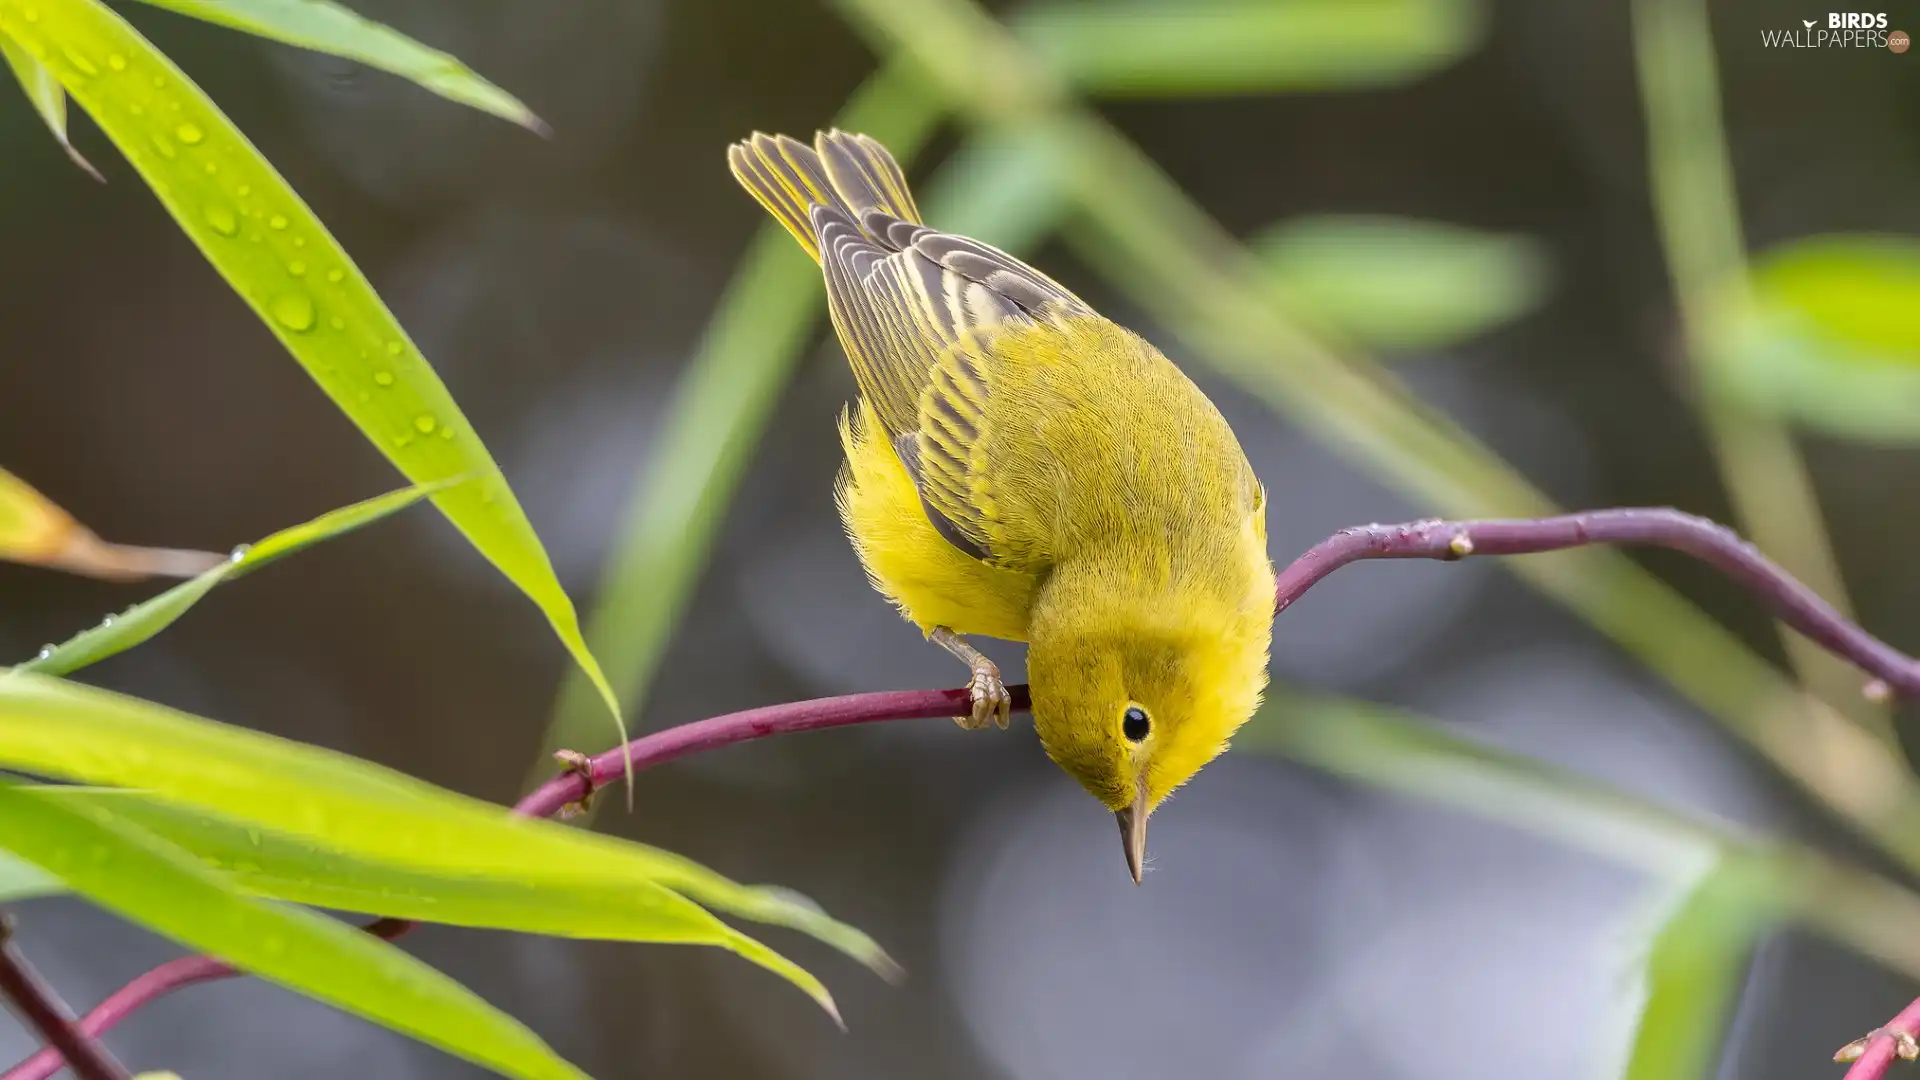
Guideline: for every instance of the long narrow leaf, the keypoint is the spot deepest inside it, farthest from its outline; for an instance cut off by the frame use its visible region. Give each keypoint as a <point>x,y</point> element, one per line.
<point>283,866</point>
<point>277,255</point>
<point>49,100</point>
<point>1694,970</point>
<point>353,807</point>
<point>119,633</point>
<point>34,530</point>
<point>147,880</point>
<point>330,28</point>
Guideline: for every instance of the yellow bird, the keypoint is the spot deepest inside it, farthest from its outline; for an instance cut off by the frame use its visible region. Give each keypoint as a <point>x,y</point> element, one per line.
<point>1019,467</point>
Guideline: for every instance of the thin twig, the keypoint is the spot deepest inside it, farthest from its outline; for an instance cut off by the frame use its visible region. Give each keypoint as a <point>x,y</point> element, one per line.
<point>40,1006</point>
<point>1715,545</point>
<point>1875,1051</point>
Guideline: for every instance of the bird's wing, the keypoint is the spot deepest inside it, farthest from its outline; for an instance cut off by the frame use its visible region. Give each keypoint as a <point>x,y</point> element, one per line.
<point>907,301</point>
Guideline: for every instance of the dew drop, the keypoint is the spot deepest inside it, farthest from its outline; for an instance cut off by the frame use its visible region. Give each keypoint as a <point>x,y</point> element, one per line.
<point>80,61</point>
<point>424,424</point>
<point>106,622</point>
<point>299,241</point>
<point>277,222</point>
<point>221,220</point>
<point>297,268</point>
<point>244,190</point>
<point>137,110</point>
<point>401,442</point>
<point>337,323</point>
<point>32,14</point>
<point>335,274</point>
<point>212,168</point>
<point>383,378</point>
<point>293,310</point>
<point>394,348</point>
<point>117,62</point>
<point>189,134</point>
<point>239,553</point>
<point>45,653</point>
<point>446,432</point>
<point>160,144</point>
<point>158,82</point>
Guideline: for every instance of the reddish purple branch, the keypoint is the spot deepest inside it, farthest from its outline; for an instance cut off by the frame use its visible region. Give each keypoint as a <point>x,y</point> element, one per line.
<point>40,1006</point>
<point>1874,1052</point>
<point>1794,603</point>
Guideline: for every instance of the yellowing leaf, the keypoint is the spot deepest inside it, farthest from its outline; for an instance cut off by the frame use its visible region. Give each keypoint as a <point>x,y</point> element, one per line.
<point>277,255</point>
<point>329,28</point>
<point>34,530</point>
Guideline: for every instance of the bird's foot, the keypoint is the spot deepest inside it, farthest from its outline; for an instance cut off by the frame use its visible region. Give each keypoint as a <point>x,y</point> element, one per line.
<point>579,764</point>
<point>991,702</point>
<point>1904,1045</point>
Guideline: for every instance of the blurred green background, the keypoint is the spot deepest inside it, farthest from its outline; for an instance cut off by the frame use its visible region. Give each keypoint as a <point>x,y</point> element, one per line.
<point>1388,238</point>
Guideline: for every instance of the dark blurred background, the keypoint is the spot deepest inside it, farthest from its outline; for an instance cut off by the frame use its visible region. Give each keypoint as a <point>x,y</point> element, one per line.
<point>1294,925</point>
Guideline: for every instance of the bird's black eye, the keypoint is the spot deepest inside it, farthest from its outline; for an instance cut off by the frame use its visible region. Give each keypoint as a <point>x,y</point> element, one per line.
<point>1135,724</point>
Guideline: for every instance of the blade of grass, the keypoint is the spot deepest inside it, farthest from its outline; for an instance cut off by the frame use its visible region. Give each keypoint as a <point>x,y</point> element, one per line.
<point>1177,48</point>
<point>141,877</point>
<point>48,99</point>
<point>33,530</point>
<point>277,255</point>
<point>1695,967</point>
<point>1395,751</point>
<point>712,426</point>
<point>1175,261</point>
<point>1697,209</point>
<point>280,865</point>
<point>330,28</point>
<point>353,807</point>
<point>118,633</point>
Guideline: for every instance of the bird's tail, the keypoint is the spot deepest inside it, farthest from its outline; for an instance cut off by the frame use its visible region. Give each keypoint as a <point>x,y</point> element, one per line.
<point>851,173</point>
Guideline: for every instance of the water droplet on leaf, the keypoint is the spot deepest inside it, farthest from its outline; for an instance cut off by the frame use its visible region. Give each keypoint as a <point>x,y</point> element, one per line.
<point>277,222</point>
<point>189,134</point>
<point>424,424</point>
<point>293,310</point>
<point>221,220</point>
<point>384,378</point>
<point>239,552</point>
<point>117,62</point>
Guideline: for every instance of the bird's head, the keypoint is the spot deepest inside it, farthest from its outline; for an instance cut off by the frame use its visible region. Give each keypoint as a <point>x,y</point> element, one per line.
<point>1132,708</point>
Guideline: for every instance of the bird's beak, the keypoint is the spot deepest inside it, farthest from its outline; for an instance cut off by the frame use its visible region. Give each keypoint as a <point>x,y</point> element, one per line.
<point>1133,834</point>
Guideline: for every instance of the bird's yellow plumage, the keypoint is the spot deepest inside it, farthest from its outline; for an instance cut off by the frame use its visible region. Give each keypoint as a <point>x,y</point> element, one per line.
<point>1021,468</point>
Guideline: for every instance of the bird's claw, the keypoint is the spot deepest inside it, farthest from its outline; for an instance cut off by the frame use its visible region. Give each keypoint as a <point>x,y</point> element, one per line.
<point>991,702</point>
<point>579,764</point>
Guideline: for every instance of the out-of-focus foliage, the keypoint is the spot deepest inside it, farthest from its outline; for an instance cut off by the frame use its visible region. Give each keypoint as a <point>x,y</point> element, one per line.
<point>1180,48</point>
<point>34,530</point>
<point>141,877</point>
<point>118,633</point>
<point>1402,284</point>
<point>715,418</point>
<point>1694,965</point>
<point>1832,341</point>
<point>277,255</point>
<point>327,27</point>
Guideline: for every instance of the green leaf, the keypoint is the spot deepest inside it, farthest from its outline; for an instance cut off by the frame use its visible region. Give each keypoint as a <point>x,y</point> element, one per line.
<point>1171,48</point>
<point>330,28</point>
<point>119,633</point>
<point>710,430</point>
<point>21,880</point>
<point>354,807</point>
<point>1829,339</point>
<point>284,866</point>
<point>277,255</point>
<point>35,531</point>
<point>43,90</point>
<point>139,876</point>
<point>1400,283</point>
<point>1695,967</point>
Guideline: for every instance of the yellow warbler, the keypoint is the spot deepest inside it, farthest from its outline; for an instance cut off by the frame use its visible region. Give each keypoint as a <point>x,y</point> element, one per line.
<point>1019,467</point>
